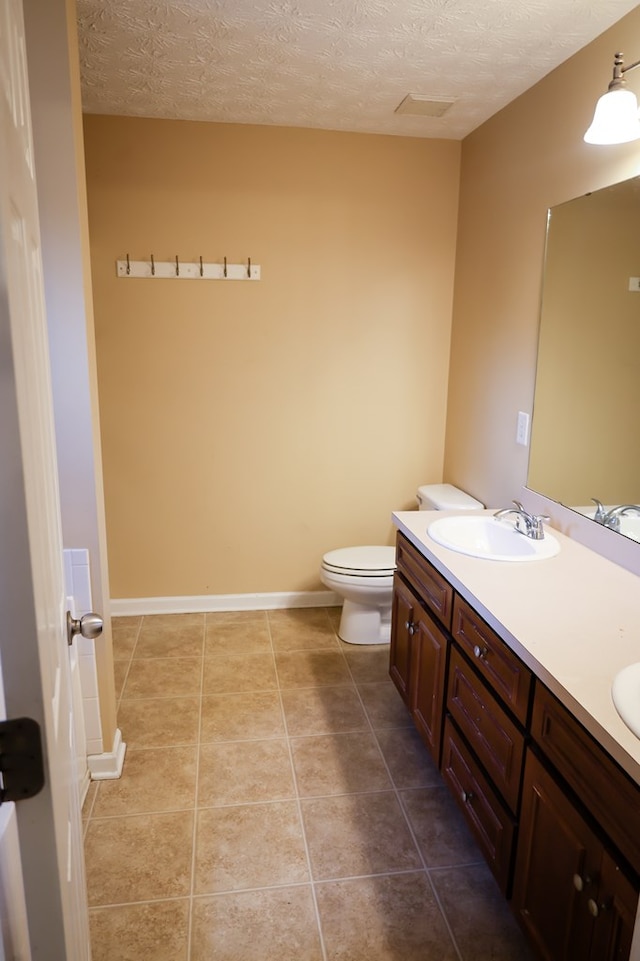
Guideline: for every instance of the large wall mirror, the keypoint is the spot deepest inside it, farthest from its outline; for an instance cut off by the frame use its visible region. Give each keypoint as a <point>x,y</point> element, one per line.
<point>585,437</point>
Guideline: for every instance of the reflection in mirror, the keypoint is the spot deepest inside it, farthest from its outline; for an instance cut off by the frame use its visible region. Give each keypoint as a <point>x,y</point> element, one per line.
<point>586,417</point>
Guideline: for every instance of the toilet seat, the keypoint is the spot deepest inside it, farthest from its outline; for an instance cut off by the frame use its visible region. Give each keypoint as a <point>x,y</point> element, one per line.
<point>368,562</point>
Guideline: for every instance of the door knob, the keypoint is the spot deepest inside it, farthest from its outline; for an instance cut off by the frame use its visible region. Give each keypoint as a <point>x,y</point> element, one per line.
<point>89,625</point>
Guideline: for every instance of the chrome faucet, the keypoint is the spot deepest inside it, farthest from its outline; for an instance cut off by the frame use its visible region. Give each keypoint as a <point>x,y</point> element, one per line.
<point>528,524</point>
<point>611,519</point>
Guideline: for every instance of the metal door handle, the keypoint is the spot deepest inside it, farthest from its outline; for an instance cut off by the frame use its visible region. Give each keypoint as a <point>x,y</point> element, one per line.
<point>90,625</point>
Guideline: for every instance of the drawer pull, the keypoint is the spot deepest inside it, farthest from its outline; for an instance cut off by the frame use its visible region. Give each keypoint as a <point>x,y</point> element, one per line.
<point>467,796</point>
<point>480,652</point>
<point>411,628</point>
<point>593,908</point>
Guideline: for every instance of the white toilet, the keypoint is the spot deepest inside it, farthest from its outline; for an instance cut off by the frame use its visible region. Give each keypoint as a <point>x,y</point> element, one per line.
<point>363,576</point>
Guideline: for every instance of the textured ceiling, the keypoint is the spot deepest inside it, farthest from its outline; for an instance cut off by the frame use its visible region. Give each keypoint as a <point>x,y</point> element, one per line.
<point>333,64</point>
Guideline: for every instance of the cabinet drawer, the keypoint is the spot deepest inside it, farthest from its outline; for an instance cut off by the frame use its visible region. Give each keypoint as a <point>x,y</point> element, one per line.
<point>501,668</point>
<point>497,741</point>
<point>606,791</point>
<point>435,592</point>
<point>490,823</point>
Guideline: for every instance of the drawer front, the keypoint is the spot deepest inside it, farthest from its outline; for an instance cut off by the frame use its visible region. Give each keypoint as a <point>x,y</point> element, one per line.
<point>501,668</point>
<point>490,823</point>
<point>497,741</point>
<point>606,791</point>
<point>435,592</point>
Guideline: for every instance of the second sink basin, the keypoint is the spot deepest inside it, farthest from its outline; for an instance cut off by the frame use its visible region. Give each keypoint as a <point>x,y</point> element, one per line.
<point>625,692</point>
<point>495,540</point>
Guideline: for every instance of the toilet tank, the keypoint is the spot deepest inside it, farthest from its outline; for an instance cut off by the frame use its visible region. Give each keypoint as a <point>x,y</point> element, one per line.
<point>446,497</point>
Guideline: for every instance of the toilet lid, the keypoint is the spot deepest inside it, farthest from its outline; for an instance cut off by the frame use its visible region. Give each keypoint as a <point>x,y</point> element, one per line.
<point>380,561</point>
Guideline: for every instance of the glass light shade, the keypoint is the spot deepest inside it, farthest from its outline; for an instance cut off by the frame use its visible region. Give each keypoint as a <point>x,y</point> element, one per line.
<point>615,119</point>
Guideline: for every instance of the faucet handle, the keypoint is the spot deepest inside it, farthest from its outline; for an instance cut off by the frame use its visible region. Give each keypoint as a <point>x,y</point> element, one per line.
<point>600,513</point>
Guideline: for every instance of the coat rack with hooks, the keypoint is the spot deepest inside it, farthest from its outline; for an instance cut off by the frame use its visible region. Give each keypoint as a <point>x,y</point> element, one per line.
<point>187,270</point>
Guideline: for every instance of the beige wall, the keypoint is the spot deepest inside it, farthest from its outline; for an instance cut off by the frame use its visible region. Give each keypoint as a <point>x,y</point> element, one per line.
<point>528,157</point>
<point>247,428</point>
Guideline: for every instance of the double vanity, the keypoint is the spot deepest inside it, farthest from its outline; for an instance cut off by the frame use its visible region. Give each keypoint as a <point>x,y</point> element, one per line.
<point>507,669</point>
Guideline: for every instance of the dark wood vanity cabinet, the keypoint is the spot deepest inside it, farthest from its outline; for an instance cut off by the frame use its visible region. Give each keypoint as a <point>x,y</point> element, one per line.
<point>570,895</point>
<point>419,644</point>
<point>555,817</point>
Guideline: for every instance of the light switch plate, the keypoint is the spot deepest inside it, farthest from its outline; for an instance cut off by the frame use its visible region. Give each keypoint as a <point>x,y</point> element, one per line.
<point>522,430</point>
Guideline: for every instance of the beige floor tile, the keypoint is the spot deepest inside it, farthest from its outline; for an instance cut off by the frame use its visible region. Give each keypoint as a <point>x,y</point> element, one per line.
<point>249,846</point>
<point>383,704</point>
<point>158,931</point>
<point>171,635</point>
<point>367,664</point>
<point>306,629</point>
<point>241,772</point>
<point>163,677</point>
<point>237,632</point>
<point>389,918</point>
<point>275,925</point>
<point>334,613</point>
<point>159,722</point>
<point>238,673</point>
<point>355,834</point>
<point>324,710</point>
<point>409,761</point>
<point>229,717</point>
<point>338,764</point>
<point>311,669</point>
<point>124,631</point>
<point>120,669</point>
<point>482,924</point>
<point>153,779</point>
<point>441,833</point>
<point>145,857</point>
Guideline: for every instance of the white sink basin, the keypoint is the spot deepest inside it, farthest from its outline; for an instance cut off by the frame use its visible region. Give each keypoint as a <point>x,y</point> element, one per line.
<point>625,692</point>
<point>492,539</point>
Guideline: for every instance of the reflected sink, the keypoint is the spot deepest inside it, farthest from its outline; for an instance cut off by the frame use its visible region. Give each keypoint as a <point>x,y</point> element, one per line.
<point>625,692</point>
<point>494,540</point>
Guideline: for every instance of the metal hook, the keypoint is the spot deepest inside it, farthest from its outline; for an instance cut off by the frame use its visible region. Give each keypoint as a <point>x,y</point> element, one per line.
<point>225,267</point>
<point>201,268</point>
<point>153,267</point>
<point>249,267</point>
<point>128,266</point>
<point>177,267</point>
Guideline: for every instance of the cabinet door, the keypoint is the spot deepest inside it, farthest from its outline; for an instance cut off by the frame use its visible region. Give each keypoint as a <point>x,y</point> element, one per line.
<point>428,664</point>
<point>557,867</point>
<point>402,614</point>
<point>615,913</point>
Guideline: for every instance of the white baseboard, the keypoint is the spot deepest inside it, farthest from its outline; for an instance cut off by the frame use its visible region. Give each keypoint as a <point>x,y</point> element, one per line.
<point>108,766</point>
<point>203,603</point>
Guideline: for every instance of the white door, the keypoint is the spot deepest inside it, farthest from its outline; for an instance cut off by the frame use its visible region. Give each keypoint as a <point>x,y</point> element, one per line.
<point>34,666</point>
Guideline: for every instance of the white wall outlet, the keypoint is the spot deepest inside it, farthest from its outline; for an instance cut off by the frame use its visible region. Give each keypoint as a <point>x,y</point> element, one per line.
<point>522,430</point>
<point>634,283</point>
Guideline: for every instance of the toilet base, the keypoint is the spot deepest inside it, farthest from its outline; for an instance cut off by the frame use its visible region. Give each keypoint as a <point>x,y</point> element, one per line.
<point>363,624</point>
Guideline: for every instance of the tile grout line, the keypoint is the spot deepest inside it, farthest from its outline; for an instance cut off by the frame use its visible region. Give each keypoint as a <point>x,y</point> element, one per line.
<point>412,833</point>
<point>298,802</point>
<point>194,835</point>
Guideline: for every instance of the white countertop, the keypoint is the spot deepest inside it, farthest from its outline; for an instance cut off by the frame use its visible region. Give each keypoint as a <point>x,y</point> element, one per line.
<point>574,619</point>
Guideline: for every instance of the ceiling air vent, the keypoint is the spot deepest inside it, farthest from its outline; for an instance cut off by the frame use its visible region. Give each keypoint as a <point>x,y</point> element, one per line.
<point>423,106</point>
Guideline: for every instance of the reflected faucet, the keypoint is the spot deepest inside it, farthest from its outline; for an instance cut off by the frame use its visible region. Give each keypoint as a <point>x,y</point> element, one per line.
<point>528,524</point>
<point>611,519</point>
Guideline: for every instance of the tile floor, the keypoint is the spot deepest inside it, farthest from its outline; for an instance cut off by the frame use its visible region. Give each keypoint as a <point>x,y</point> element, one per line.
<point>277,805</point>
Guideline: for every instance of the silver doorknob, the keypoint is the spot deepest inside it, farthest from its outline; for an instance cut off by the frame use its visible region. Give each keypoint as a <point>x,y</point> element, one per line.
<point>89,625</point>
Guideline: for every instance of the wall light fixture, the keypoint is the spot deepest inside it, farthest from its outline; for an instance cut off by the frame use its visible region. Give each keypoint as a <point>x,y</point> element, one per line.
<point>616,115</point>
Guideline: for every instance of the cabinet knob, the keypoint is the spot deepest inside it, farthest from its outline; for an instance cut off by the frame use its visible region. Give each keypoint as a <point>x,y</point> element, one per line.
<point>593,908</point>
<point>467,796</point>
<point>580,882</point>
<point>480,652</point>
<point>411,627</point>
